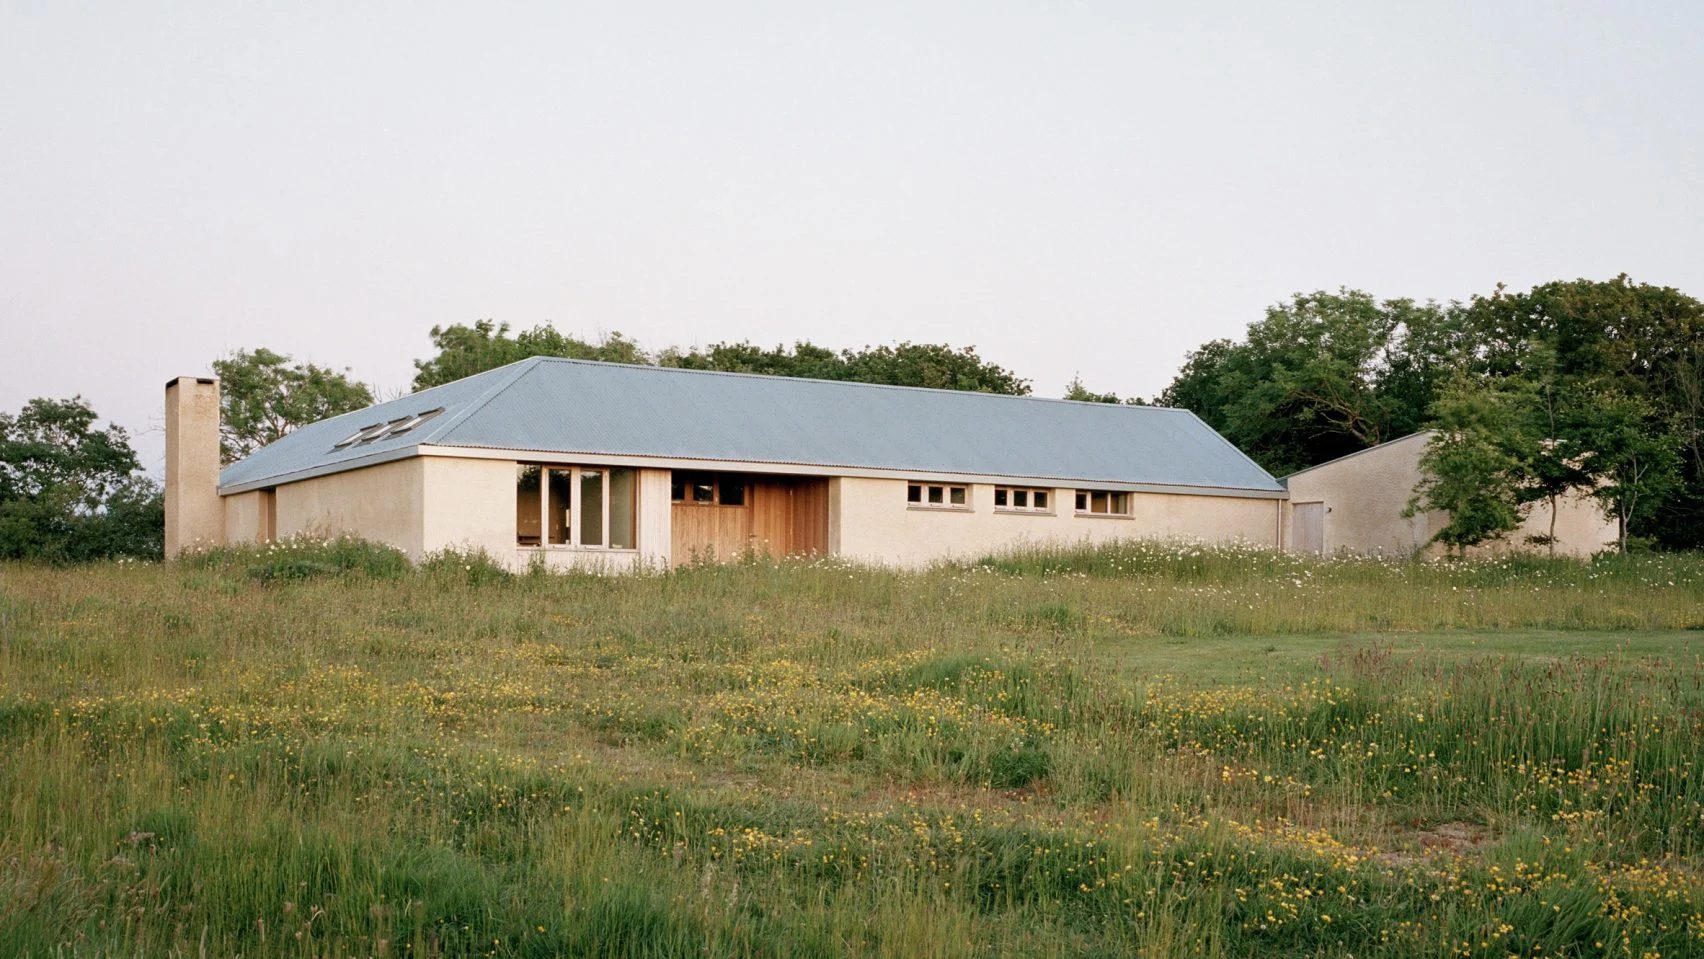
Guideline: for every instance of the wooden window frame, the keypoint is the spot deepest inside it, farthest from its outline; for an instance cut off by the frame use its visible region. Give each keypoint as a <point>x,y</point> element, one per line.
<point>946,505</point>
<point>1082,502</point>
<point>1030,493</point>
<point>573,521</point>
<point>714,479</point>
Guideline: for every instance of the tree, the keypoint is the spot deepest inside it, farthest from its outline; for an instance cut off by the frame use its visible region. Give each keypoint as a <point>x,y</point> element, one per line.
<point>933,365</point>
<point>1322,375</point>
<point>465,350</point>
<point>1634,342</point>
<point>1544,435</point>
<point>1634,466</point>
<point>70,491</point>
<point>263,396</point>
<point>1467,470</point>
<point>1075,390</point>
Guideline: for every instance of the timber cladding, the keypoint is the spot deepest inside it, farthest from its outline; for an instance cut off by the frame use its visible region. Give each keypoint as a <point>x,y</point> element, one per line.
<point>781,516</point>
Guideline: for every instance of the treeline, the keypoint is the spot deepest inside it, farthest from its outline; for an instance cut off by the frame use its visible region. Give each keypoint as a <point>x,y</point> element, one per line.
<point>1573,387</point>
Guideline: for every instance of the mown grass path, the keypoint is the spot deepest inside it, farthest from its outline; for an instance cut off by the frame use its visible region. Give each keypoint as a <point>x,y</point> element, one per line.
<point>1144,750</point>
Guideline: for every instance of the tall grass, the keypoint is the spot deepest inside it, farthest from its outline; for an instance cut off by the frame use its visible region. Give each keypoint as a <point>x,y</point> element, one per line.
<point>1137,750</point>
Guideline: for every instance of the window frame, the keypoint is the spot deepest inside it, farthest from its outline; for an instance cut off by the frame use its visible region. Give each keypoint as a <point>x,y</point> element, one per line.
<point>1083,500</point>
<point>945,504</point>
<point>689,482</point>
<point>576,494</point>
<point>1029,494</point>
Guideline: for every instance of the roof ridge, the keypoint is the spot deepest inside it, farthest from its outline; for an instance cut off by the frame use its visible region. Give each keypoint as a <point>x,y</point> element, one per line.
<point>1365,449</point>
<point>860,383</point>
<point>520,368</point>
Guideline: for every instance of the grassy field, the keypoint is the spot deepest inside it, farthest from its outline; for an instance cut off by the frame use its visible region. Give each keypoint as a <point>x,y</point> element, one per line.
<point>1146,750</point>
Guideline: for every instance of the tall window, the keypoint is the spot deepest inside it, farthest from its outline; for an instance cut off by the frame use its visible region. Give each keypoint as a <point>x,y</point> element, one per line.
<point>575,506</point>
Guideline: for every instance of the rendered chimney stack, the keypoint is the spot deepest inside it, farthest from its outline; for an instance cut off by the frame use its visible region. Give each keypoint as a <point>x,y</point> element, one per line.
<point>194,515</point>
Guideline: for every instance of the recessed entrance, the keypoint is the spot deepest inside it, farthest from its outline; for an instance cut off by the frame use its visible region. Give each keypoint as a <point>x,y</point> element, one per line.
<point>720,516</point>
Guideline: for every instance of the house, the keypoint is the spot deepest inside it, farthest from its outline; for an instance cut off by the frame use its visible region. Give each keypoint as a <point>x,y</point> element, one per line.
<point>580,464</point>
<point>1355,504</point>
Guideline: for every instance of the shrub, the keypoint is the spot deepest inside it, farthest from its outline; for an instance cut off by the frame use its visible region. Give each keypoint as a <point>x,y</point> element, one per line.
<point>475,566</point>
<point>304,557</point>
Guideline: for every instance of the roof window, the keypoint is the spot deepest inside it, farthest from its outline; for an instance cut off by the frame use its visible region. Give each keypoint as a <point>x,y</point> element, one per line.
<point>379,431</point>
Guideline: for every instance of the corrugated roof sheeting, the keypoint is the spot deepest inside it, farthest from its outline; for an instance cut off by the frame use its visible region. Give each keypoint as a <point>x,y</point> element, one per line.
<point>577,406</point>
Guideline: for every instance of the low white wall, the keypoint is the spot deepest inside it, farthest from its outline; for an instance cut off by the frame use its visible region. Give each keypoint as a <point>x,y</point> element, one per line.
<point>870,520</point>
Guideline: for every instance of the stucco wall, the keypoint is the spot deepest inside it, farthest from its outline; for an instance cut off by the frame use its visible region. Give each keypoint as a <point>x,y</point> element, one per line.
<point>869,520</point>
<point>384,503</point>
<point>1365,495</point>
<point>244,520</point>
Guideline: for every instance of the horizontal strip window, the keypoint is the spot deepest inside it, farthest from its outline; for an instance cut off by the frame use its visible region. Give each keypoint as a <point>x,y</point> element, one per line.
<point>698,488</point>
<point>937,496</point>
<point>579,507</point>
<point>1022,499</point>
<point>1100,502</point>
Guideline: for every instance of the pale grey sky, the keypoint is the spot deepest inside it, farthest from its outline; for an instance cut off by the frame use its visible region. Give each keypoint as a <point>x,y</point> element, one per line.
<point>1069,186</point>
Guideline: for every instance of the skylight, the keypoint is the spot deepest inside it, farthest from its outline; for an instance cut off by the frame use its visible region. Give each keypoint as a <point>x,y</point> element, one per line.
<point>381,431</point>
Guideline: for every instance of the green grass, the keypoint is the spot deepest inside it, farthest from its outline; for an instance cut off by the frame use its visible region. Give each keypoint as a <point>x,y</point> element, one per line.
<point>1137,750</point>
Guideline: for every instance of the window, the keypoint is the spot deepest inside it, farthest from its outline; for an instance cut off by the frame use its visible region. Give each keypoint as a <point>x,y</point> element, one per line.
<point>937,496</point>
<point>528,508</point>
<point>731,490</point>
<point>1099,502</point>
<point>573,506</point>
<point>1015,499</point>
<point>560,515</point>
<point>708,489</point>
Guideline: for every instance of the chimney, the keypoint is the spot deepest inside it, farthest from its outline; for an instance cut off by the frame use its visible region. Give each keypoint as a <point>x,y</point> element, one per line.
<point>194,515</point>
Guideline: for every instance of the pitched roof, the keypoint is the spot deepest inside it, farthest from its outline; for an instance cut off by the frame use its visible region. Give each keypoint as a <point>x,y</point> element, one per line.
<point>551,405</point>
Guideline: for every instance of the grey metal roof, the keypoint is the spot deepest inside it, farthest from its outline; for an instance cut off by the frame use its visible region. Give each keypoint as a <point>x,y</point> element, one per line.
<point>550,405</point>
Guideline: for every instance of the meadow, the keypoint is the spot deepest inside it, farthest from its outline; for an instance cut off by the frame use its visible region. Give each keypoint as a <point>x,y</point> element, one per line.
<point>1141,750</point>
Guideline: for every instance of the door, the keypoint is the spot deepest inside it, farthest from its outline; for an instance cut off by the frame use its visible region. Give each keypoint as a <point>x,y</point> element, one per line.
<point>1307,528</point>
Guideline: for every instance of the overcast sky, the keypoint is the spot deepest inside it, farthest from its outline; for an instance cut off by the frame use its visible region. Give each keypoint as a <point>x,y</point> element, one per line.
<point>1070,187</point>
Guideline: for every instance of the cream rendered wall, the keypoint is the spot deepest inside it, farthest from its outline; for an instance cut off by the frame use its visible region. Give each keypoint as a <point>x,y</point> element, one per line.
<point>869,520</point>
<point>1365,495</point>
<point>470,504</point>
<point>243,519</point>
<point>384,503</point>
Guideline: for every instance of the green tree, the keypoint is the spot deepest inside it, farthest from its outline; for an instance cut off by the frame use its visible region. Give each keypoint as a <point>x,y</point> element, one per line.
<point>1322,375</point>
<point>465,350</point>
<point>1468,470</point>
<point>1634,463</point>
<point>933,365</point>
<point>263,396</point>
<point>801,359</point>
<point>70,491</point>
<point>1075,390</point>
<point>1639,343</point>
